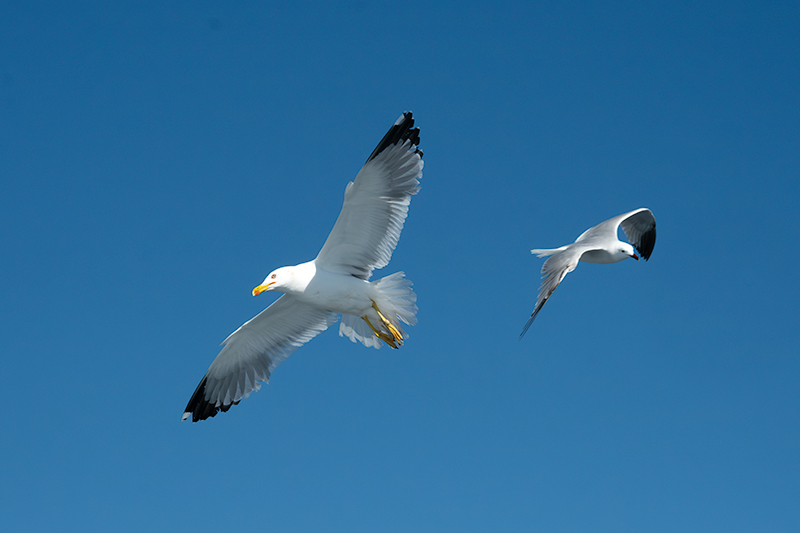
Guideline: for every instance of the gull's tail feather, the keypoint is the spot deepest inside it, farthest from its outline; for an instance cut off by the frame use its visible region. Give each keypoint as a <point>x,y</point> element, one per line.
<point>545,252</point>
<point>355,329</point>
<point>394,301</point>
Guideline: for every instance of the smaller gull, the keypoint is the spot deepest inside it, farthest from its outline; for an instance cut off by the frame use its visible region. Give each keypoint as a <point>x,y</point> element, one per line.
<point>600,245</point>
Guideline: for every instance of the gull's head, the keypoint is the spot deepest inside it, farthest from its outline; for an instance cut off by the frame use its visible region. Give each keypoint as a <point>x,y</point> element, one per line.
<point>288,279</point>
<point>628,250</point>
<point>274,281</point>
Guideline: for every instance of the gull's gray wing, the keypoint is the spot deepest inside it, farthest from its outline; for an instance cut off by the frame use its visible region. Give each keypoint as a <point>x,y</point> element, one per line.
<point>376,205</point>
<point>253,351</point>
<point>554,269</point>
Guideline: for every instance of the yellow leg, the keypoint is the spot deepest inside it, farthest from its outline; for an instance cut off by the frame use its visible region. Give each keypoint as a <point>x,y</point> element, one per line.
<point>393,330</point>
<point>381,335</point>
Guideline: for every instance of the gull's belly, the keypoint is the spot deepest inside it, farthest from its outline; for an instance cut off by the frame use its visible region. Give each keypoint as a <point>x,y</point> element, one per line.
<point>601,257</point>
<point>339,293</point>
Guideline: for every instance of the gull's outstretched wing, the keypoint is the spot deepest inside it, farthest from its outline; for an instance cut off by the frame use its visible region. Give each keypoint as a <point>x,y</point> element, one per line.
<point>640,228</point>
<point>376,205</point>
<point>253,351</point>
<point>553,271</point>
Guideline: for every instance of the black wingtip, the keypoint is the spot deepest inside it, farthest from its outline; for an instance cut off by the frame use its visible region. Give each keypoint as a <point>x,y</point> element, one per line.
<point>525,329</point>
<point>647,243</point>
<point>199,407</point>
<point>531,319</point>
<point>400,131</point>
<point>527,325</point>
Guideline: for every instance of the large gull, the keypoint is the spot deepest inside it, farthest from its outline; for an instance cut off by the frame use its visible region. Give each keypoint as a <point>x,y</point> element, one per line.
<point>334,283</point>
<point>598,244</point>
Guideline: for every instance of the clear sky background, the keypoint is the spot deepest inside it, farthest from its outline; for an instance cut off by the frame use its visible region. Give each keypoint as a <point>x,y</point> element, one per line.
<point>158,159</point>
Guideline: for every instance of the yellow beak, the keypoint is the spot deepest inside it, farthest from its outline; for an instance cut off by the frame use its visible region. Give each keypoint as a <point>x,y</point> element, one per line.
<point>261,288</point>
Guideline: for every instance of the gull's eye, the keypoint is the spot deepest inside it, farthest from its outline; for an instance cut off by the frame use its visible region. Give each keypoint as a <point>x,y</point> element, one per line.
<point>273,276</point>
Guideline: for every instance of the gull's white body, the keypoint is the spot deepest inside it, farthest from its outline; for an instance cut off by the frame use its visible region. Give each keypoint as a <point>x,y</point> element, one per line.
<point>344,294</point>
<point>335,283</point>
<point>598,244</point>
<point>316,286</point>
<point>340,293</point>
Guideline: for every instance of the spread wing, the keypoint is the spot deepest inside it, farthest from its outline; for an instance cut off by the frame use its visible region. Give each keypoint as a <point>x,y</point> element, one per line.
<point>253,351</point>
<point>553,271</point>
<point>376,205</point>
<point>639,226</point>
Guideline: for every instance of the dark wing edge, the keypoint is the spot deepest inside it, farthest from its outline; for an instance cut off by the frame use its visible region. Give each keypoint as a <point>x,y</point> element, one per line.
<point>640,228</point>
<point>533,317</point>
<point>200,408</point>
<point>402,130</point>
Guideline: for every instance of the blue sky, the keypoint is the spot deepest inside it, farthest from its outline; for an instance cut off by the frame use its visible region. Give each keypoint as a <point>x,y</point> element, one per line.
<point>159,159</point>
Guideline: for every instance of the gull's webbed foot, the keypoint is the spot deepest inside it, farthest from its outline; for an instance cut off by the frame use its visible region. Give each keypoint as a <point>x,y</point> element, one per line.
<point>380,334</point>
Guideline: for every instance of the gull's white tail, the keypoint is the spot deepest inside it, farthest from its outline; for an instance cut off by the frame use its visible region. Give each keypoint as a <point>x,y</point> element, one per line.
<point>546,252</point>
<point>394,301</point>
